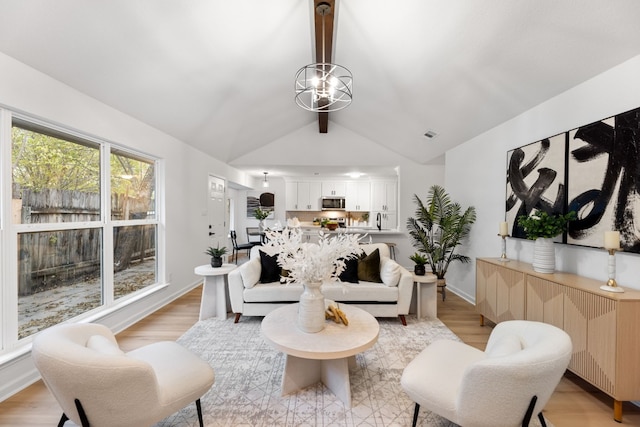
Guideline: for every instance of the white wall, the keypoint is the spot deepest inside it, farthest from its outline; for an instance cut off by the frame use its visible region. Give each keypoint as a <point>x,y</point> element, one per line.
<point>476,175</point>
<point>186,169</point>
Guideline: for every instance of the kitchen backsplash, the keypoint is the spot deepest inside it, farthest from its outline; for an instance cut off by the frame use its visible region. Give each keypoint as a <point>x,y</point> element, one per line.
<point>351,218</point>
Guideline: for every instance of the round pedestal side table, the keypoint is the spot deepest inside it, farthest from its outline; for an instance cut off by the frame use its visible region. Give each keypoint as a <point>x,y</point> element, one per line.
<point>214,295</point>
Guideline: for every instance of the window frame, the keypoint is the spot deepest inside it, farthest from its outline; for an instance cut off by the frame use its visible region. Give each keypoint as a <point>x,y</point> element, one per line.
<point>9,231</point>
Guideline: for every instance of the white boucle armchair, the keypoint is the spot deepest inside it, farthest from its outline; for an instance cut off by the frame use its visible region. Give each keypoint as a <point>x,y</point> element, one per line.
<point>98,384</point>
<point>501,387</point>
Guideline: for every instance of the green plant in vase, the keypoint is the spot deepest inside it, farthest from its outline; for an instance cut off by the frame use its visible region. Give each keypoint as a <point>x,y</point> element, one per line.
<point>543,227</point>
<point>261,215</point>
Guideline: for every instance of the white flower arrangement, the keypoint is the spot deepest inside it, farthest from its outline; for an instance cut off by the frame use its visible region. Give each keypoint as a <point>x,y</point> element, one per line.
<point>312,262</point>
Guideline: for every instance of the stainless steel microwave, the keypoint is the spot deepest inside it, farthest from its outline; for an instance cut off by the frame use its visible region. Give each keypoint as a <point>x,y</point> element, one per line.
<point>333,204</point>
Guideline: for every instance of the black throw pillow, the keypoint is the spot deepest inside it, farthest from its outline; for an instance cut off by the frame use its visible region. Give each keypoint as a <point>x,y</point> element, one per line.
<point>369,267</point>
<point>270,269</point>
<point>350,272</point>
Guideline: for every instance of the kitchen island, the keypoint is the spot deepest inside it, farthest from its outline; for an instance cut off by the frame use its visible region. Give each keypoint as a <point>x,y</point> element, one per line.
<point>367,234</point>
<point>311,232</point>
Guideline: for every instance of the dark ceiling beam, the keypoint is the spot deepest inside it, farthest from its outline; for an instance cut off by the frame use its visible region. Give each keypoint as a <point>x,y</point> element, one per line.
<point>323,118</point>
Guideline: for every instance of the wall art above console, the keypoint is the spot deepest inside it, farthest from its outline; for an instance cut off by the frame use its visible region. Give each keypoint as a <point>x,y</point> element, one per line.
<point>593,170</point>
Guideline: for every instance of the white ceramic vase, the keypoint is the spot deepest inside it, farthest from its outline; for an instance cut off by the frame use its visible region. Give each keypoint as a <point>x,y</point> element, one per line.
<point>311,308</point>
<point>544,255</point>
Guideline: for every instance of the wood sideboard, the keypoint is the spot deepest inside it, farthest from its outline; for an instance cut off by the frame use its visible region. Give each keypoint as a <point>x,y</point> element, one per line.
<point>604,327</point>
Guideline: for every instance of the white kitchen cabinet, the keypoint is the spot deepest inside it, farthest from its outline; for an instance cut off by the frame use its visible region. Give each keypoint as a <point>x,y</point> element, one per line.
<point>334,189</point>
<point>303,196</point>
<point>358,196</point>
<point>291,196</point>
<point>384,195</point>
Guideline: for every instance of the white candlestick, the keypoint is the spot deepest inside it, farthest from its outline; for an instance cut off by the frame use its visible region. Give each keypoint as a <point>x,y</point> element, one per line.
<point>611,285</point>
<point>612,240</point>
<point>504,229</point>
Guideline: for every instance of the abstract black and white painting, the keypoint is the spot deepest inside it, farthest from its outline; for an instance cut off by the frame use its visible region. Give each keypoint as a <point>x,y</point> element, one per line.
<point>535,180</point>
<point>604,181</point>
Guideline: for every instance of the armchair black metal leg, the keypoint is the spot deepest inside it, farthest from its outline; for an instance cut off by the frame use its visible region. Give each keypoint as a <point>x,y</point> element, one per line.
<point>541,418</point>
<point>415,415</point>
<point>63,419</point>
<point>83,416</point>
<point>529,413</point>
<point>199,407</point>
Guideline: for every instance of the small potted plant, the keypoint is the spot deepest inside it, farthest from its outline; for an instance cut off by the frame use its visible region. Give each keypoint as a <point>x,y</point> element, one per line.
<point>419,269</point>
<point>542,228</point>
<point>216,255</point>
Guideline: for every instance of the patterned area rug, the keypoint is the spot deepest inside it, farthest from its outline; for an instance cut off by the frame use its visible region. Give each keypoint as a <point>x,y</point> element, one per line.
<point>248,372</point>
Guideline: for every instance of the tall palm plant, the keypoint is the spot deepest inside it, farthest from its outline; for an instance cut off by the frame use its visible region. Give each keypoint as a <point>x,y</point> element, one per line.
<point>438,228</point>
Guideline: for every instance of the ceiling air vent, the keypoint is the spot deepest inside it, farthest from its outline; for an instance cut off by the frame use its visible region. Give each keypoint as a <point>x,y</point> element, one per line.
<point>430,134</point>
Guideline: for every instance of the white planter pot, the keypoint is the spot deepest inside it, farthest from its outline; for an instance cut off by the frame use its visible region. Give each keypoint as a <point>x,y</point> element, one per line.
<point>544,255</point>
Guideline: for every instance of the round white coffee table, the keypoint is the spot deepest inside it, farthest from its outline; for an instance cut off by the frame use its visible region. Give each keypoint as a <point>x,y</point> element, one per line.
<point>323,356</point>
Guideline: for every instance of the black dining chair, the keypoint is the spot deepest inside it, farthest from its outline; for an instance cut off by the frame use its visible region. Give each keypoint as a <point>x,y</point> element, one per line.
<point>254,232</point>
<point>237,248</point>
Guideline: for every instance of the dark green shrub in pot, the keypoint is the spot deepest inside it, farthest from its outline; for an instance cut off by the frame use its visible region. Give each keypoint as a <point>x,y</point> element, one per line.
<point>216,255</point>
<point>419,269</point>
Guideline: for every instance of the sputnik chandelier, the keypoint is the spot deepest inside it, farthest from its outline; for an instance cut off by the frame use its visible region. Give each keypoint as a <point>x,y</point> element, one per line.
<point>323,86</point>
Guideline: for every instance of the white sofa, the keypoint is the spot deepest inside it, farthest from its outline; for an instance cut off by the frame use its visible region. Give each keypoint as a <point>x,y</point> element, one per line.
<point>391,299</point>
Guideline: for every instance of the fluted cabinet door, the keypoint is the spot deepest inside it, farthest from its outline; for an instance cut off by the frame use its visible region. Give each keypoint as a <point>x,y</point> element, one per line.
<point>488,273</point>
<point>509,294</point>
<point>590,321</point>
<point>481,287</point>
<point>545,301</point>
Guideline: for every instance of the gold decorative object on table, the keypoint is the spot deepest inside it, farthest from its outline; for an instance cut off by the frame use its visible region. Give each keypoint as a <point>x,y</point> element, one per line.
<point>335,314</point>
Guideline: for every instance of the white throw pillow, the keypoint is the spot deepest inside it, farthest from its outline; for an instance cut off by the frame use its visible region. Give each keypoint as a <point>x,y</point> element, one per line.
<point>389,271</point>
<point>250,273</point>
<point>104,345</point>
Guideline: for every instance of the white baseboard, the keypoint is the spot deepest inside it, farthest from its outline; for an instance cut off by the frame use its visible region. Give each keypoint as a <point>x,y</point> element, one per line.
<point>471,299</point>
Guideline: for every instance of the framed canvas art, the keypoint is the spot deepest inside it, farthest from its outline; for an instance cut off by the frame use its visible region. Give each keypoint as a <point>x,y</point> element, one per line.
<point>604,161</point>
<point>535,180</point>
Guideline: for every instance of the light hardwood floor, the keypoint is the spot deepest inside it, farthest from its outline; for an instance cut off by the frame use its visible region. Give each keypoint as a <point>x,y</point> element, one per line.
<point>575,403</point>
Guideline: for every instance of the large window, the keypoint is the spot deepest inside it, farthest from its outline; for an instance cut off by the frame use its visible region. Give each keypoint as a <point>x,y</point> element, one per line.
<point>77,205</point>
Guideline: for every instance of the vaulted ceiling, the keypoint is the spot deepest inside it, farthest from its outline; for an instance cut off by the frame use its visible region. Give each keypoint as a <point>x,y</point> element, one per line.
<point>219,74</point>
